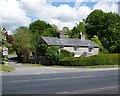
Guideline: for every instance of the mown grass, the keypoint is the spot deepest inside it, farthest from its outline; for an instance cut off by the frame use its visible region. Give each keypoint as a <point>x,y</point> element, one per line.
<point>33,64</point>
<point>6,68</point>
<point>99,66</point>
<point>58,66</point>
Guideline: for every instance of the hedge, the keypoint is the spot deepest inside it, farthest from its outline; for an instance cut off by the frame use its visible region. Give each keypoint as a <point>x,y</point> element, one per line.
<point>103,59</point>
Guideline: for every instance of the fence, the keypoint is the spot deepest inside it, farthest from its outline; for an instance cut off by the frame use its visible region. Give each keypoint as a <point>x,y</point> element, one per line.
<point>39,60</point>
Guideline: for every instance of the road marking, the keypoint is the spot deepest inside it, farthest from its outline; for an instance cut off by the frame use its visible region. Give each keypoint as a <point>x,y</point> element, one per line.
<point>18,81</point>
<point>89,90</point>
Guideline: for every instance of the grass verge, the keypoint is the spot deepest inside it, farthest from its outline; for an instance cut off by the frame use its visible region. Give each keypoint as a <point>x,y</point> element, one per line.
<point>34,65</point>
<point>98,66</point>
<point>58,66</point>
<point>6,68</point>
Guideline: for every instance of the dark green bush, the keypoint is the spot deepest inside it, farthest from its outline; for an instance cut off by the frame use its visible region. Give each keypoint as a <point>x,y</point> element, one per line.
<point>54,54</point>
<point>103,59</point>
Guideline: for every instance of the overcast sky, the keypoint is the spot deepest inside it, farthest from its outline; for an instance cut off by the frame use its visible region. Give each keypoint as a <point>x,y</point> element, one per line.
<point>16,13</point>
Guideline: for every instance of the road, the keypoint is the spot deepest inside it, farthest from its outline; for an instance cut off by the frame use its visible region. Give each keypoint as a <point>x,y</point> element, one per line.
<point>94,82</point>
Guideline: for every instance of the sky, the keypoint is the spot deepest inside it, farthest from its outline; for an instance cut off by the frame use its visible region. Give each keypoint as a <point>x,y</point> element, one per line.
<point>63,13</point>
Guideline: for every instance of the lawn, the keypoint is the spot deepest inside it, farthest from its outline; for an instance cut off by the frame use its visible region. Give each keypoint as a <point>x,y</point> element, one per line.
<point>6,68</point>
<point>58,66</point>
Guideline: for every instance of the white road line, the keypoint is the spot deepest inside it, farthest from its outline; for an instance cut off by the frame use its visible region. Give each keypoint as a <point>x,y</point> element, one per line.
<point>88,90</point>
<point>18,81</point>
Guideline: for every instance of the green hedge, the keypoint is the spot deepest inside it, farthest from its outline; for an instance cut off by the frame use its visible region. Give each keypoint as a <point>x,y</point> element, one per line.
<point>103,59</point>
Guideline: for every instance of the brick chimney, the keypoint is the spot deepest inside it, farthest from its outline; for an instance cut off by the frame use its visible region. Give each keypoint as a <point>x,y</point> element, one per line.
<point>82,36</point>
<point>60,34</point>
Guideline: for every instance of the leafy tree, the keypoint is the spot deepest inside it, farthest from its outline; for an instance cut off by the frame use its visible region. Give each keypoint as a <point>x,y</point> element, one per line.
<point>66,30</point>
<point>22,45</point>
<point>41,28</point>
<point>55,27</point>
<point>96,40</point>
<point>41,49</point>
<point>115,48</point>
<point>50,32</point>
<point>38,26</point>
<point>77,29</point>
<point>101,24</point>
<point>5,41</point>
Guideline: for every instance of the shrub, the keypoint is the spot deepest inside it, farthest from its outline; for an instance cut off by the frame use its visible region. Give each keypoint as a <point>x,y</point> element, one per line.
<point>5,58</point>
<point>55,54</point>
<point>103,59</point>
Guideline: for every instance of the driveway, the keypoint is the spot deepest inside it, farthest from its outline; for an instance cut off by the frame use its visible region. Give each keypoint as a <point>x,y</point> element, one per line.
<point>21,69</point>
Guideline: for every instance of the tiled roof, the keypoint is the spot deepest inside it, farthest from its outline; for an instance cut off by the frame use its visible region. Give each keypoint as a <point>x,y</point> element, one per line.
<point>69,42</point>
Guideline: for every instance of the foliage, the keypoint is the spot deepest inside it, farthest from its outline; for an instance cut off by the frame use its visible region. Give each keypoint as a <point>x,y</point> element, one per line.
<point>52,53</point>
<point>66,31</point>
<point>55,27</point>
<point>41,28</point>
<point>77,29</point>
<point>22,44</point>
<point>41,50</point>
<point>50,32</point>
<point>5,58</point>
<point>96,40</point>
<point>105,27</point>
<point>55,54</point>
<point>38,26</point>
<point>103,59</point>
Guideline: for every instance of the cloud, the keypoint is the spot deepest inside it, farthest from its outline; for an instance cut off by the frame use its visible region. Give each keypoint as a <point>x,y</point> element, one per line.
<point>17,13</point>
<point>64,13</point>
<point>107,6</point>
<point>12,15</point>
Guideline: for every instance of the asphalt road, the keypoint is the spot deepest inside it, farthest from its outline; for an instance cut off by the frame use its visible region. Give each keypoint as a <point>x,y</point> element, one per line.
<point>94,82</point>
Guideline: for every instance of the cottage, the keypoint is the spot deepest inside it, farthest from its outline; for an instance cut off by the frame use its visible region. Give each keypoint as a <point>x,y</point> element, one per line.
<point>80,46</point>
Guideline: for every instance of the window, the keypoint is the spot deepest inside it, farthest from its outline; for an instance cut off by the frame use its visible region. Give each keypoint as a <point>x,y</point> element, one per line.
<point>76,48</point>
<point>90,49</point>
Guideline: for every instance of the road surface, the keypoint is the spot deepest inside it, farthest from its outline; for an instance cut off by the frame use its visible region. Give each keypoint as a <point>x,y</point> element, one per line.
<point>94,82</point>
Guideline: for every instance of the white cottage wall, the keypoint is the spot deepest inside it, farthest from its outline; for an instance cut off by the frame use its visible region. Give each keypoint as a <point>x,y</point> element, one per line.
<point>80,50</point>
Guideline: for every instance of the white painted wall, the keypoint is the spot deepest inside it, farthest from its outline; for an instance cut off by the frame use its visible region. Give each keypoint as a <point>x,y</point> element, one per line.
<point>81,50</point>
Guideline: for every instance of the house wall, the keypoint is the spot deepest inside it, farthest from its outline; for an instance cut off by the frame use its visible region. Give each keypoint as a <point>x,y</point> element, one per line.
<point>80,50</point>
<point>95,51</point>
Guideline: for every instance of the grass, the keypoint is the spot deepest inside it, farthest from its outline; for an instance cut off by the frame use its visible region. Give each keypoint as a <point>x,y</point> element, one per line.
<point>58,66</point>
<point>98,66</point>
<point>34,65</point>
<point>6,68</point>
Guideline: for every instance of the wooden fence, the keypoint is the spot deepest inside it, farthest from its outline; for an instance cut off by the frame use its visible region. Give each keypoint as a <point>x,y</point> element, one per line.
<point>39,60</point>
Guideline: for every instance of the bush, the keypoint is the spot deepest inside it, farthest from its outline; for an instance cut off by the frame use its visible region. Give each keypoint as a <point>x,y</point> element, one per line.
<point>5,58</point>
<point>54,54</point>
<point>103,59</point>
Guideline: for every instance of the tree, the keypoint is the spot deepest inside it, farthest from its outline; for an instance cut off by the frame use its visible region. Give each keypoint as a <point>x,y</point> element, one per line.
<point>55,27</point>
<point>101,24</point>
<point>41,50</point>
<point>66,30</point>
<point>22,45</point>
<point>115,48</point>
<point>38,26</point>
<point>41,28</point>
<point>77,29</point>
<point>96,40</point>
<point>50,32</point>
